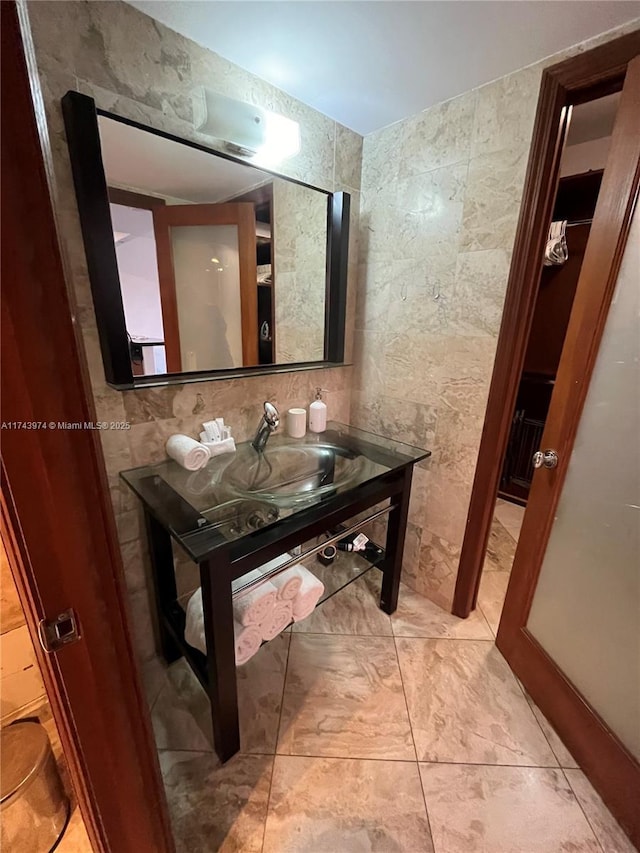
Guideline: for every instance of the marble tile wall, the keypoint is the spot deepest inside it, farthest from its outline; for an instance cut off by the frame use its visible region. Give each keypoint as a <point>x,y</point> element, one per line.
<point>299,232</point>
<point>137,68</point>
<point>441,195</point>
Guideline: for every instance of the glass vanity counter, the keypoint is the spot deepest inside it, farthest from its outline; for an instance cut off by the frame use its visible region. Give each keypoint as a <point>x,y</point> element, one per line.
<point>238,493</point>
<point>247,508</point>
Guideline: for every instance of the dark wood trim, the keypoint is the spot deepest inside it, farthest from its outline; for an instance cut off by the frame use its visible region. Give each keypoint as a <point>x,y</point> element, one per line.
<point>246,214</point>
<point>29,599</point>
<point>168,296</point>
<point>573,81</point>
<point>606,762</point>
<point>81,123</point>
<point>241,214</point>
<point>262,197</point>
<point>57,521</point>
<point>337,272</point>
<point>130,199</point>
<point>163,379</point>
<point>598,277</point>
<point>614,772</point>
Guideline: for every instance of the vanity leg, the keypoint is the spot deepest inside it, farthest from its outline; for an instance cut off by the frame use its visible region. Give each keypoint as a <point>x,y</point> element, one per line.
<point>164,582</point>
<point>396,527</point>
<point>218,627</point>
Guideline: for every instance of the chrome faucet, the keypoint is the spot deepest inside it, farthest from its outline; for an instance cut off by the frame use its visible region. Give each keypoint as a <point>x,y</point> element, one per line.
<point>268,423</point>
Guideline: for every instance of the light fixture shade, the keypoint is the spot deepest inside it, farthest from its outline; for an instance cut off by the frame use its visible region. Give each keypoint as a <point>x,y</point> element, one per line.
<point>249,130</point>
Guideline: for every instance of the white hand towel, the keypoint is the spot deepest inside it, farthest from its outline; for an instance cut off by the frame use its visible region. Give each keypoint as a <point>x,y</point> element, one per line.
<point>309,595</point>
<point>261,571</point>
<point>247,640</point>
<point>215,448</point>
<point>277,620</point>
<point>253,607</point>
<point>289,582</point>
<point>188,452</point>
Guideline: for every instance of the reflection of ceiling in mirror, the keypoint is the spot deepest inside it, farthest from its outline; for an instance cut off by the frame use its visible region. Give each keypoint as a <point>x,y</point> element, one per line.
<point>137,159</point>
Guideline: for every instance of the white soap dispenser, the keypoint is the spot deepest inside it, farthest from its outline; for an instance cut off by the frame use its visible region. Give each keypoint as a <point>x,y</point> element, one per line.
<point>318,413</point>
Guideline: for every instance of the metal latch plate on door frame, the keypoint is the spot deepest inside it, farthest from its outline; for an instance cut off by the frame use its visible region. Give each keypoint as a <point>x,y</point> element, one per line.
<point>59,632</point>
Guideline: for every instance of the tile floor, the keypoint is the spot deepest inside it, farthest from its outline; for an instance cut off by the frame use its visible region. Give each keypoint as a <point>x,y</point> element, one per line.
<point>505,529</point>
<point>363,732</point>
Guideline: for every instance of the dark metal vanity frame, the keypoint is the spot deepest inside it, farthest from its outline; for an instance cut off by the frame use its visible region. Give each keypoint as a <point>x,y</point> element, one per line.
<point>226,561</point>
<point>81,124</point>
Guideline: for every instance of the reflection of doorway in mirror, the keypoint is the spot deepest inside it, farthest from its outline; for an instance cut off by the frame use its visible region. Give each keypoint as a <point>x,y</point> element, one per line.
<point>138,270</point>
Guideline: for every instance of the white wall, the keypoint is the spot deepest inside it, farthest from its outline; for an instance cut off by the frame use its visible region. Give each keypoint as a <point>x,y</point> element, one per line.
<point>585,157</point>
<point>138,269</point>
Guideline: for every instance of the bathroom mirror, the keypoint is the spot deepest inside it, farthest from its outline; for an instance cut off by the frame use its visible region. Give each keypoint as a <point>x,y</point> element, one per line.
<point>202,265</point>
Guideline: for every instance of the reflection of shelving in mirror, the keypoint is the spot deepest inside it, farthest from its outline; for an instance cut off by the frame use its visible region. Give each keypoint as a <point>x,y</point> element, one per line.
<point>191,229</point>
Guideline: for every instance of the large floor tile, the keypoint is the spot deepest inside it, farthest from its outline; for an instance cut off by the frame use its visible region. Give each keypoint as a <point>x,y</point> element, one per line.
<point>510,515</point>
<point>607,829</point>
<point>417,616</point>
<point>565,759</point>
<point>329,805</point>
<point>493,588</point>
<point>501,548</point>
<point>213,807</point>
<point>353,610</point>
<point>343,698</point>
<point>476,809</point>
<point>154,676</point>
<point>181,715</point>
<point>466,706</point>
<point>75,838</point>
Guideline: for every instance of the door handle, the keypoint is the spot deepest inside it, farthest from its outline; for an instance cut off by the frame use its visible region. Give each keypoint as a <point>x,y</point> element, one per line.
<point>545,459</point>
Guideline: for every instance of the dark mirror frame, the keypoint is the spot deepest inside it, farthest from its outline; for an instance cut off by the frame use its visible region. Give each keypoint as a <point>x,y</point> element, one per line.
<point>83,138</point>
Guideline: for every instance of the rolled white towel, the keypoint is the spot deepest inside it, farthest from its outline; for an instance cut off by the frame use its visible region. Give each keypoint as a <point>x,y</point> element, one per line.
<point>194,629</point>
<point>188,452</point>
<point>253,607</point>
<point>277,620</point>
<point>216,448</point>
<point>289,582</point>
<point>309,595</point>
<point>247,640</point>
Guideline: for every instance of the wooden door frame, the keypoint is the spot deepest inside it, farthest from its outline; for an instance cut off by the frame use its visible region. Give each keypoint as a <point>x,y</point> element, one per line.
<point>241,214</point>
<point>57,521</point>
<point>581,78</point>
<point>612,769</point>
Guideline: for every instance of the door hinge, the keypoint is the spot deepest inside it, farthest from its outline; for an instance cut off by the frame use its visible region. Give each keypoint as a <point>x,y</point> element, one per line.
<point>59,632</point>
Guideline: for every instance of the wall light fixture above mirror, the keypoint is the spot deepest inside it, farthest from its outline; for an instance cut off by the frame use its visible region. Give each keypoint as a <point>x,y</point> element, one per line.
<point>246,129</point>
<point>202,265</point>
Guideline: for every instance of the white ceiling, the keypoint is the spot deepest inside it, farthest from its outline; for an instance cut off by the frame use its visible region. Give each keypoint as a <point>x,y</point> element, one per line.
<point>368,63</point>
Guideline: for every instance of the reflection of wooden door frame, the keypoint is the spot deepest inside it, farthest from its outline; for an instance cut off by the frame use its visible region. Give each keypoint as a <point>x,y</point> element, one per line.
<point>263,196</point>
<point>56,519</point>
<point>129,198</point>
<point>614,772</point>
<point>243,216</point>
